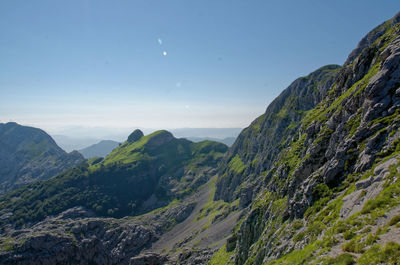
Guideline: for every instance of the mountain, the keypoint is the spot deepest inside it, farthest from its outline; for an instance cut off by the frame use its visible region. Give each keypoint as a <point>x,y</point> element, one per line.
<point>28,154</point>
<point>139,175</point>
<point>228,140</point>
<point>314,180</point>
<point>318,173</point>
<point>142,174</point>
<point>101,149</point>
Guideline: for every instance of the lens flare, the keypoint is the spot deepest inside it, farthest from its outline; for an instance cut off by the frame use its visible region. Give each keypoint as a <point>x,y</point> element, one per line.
<point>159,41</point>
<point>164,53</point>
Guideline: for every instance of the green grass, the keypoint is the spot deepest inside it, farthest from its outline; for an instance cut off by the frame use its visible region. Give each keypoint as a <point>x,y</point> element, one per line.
<point>221,257</point>
<point>343,259</point>
<point>236,165</point>
<point>377,254</point>
<point>7,244</point>
<point>301,256</point>
<point>320,113</point>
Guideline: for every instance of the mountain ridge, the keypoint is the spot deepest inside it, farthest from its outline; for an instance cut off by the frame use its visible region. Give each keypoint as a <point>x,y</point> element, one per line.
<point>29,154</point>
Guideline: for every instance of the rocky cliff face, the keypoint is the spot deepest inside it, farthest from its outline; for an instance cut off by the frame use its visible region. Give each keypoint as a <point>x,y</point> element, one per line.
<point>297,197</point>
<point>28,154</point>
<point>257,147</point>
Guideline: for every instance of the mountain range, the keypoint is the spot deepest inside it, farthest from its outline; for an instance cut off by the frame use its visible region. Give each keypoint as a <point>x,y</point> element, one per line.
<point>314,180</point>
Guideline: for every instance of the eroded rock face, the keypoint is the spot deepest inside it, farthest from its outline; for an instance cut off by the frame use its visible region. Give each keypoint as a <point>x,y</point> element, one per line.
<point>74,237</point>
<point>148,259</point>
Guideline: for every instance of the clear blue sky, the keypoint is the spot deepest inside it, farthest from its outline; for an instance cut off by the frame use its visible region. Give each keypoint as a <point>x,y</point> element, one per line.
<point>99,63</point>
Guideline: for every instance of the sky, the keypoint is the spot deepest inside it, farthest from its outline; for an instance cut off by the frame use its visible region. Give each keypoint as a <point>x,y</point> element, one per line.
<point>167,63</point>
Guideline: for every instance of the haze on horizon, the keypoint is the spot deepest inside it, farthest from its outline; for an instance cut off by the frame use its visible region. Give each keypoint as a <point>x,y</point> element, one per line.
<point>166,64</point>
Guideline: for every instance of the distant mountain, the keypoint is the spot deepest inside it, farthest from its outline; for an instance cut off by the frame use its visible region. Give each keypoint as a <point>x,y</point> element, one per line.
<point>28,154</point>
<point>73,143</point>
<point>100,149</point>
<point>228,140</point>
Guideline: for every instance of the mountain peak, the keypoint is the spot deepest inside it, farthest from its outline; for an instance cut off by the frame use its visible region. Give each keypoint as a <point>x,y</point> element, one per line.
<point>135,136</point>
<point>160,137</point>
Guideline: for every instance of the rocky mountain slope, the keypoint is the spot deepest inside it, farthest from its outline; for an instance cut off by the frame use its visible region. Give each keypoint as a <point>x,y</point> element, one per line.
<point>314,180</point>
<point>101,149</point>
<point>321,180</point>
<point>28,154</point>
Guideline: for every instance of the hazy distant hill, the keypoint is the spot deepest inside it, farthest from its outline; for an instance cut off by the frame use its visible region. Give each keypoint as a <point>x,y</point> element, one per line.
<point>228,140</point>
<point>100,149</point>
<point>28,154</point>
<point>219,133</point>
<point>73,143</point>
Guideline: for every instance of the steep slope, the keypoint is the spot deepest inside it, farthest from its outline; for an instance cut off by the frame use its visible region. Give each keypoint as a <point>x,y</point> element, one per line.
<point>327,191</point>
<point>101,149</point>
<point>256,148</point>
<point>28,154</point>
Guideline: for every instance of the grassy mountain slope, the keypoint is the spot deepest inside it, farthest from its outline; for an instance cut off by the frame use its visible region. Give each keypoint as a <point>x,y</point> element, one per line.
<point>28,154</point>
<point>136,177</point>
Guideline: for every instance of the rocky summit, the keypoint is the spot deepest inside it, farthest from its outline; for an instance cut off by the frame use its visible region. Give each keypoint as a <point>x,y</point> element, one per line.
<point>314,180</point>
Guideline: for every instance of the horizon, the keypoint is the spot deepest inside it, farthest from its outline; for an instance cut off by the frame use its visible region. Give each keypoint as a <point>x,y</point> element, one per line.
<point>166,65</point>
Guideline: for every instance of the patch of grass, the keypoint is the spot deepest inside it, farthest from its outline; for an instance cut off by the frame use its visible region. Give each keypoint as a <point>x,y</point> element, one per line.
<point>8,244</point>
<point>377,254</point>
<point>394,220</point>
<point>343,259</point>
<point>354,246</point>
<point>236,165</point>
<point>302,256</point>
<point>293,157</point>
<point>299,237</point>
<point>297,224</point>
<point>221,257</point>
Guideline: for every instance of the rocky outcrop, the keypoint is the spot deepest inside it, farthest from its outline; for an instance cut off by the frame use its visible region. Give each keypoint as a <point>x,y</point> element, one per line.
<point>135,136</point>
<point>74,237</point>
<point>29,154</point>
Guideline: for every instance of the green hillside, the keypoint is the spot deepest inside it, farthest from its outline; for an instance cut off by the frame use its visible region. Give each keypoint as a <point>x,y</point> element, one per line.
<point>157,166</point>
